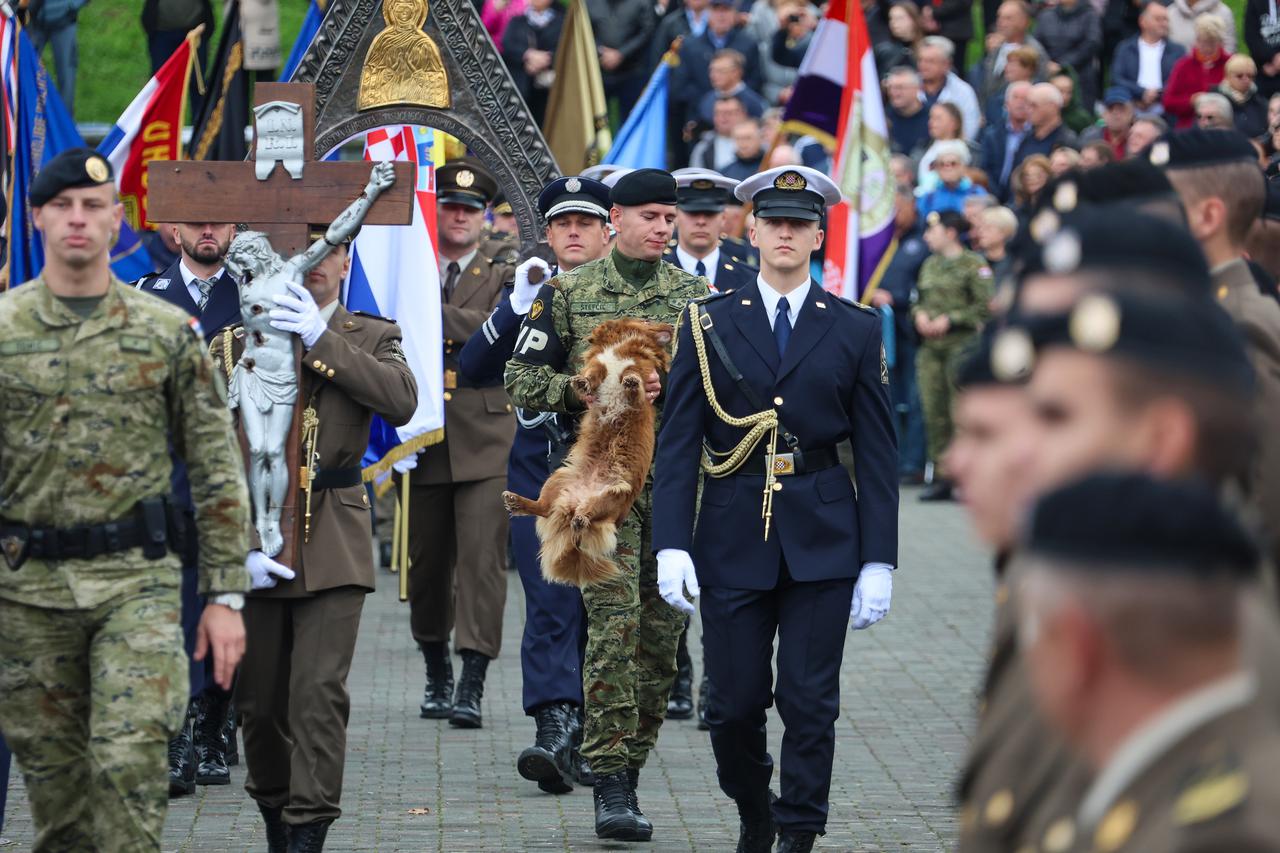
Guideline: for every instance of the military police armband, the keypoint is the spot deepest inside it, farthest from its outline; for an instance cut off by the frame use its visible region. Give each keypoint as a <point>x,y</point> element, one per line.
<point>538,341</point>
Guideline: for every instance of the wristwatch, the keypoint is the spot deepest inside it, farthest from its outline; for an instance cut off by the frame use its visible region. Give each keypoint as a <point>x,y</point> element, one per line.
<point>234,600</point>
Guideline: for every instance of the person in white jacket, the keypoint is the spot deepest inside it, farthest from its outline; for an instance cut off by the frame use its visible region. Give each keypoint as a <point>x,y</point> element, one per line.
<point>1182,18</point>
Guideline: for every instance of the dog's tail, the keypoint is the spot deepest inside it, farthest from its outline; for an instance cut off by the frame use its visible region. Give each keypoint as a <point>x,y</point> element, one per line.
<point>579,558</point>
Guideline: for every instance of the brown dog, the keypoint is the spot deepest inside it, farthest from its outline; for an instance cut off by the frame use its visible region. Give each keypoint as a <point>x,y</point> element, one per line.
<point>582,504</point>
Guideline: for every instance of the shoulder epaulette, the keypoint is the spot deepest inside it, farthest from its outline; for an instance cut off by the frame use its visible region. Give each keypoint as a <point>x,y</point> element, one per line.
<point>373,316</point>
<point>847,301</point>
<point>711,297</point>
<point>137,283</point>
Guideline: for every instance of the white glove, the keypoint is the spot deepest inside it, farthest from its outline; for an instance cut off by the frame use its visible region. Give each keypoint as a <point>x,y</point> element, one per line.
<point>298,313</point>
<point>675,574</point>
<point>526,291</point>
<point>871,596</point>
<point>405,465</point>
<point>263,570</point>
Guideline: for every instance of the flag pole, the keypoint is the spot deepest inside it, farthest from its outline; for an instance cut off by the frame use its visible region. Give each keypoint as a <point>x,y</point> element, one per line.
<point>8,191</point>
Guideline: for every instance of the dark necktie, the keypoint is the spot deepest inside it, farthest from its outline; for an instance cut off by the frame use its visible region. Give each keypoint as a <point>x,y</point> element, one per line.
<point>205,285</point>
<point>782,325</point>
<point>699,268</point>
<point>451,280</point>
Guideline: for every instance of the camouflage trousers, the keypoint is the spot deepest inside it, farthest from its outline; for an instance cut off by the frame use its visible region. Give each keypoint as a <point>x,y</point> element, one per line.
<point>936,363</point>
<point>88,701</point>
<point>630,660</point>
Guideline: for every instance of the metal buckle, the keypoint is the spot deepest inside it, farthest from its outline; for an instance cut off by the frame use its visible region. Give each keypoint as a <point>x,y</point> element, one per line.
<point>784,464</point>
<point>704,319</point>
<point>450,380</point>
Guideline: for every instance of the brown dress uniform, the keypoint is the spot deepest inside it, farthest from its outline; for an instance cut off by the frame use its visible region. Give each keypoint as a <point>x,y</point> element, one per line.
<point>302,633</point>
<point>458,526</point>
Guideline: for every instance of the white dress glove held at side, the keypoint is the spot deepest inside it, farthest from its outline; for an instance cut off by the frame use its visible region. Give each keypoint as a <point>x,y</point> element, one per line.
<point>263,570</point>
<point>871,596</point>
<point>675,574</point>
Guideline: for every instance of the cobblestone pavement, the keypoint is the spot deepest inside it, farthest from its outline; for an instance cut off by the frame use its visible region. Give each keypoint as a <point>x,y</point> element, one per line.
<point>418,785</point>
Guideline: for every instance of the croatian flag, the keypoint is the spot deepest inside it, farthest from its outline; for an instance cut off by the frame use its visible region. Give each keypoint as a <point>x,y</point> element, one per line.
<point>836,99</point>
<point>395,274</point>
<point>149,129</point>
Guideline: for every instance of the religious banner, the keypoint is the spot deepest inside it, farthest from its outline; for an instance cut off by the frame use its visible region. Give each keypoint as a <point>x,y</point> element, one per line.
<point>150,129</point>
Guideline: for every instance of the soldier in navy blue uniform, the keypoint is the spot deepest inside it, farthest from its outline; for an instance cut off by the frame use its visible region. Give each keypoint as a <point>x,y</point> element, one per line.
<point>808,552</point>
<point>575,210</point>
<point>699,244</point>
<point>198,283</point>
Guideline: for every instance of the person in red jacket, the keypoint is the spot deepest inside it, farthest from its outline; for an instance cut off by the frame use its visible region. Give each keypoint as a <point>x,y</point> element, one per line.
<point>1199,71</point>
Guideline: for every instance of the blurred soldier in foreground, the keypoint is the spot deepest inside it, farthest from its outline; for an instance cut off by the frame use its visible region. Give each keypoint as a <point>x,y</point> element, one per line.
<point>98,381</point>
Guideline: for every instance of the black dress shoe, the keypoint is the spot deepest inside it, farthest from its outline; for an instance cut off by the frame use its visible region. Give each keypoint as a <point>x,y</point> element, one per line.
<point>756,828</point>
<point>277,829</point>
<point>791,841</point>
<point>210,740</point>
<point>680,702</point>
<point>614,817</point>
<point>940,490</point>
<point>308,837</point>
<point>644,827</point>
<point>466,702</point>
<point>437,698</point>
<point>547,761</point>
<point>182,760</point>
<point>229,733</point>
<point>704,697</point>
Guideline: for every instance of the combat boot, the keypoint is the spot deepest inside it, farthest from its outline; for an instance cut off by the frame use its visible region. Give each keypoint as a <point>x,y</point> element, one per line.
<point>308,837</point>
<point>466,702</point>
<point>796,841</point>
<point>614,817</point>
<point>547,761</point>
<point>579,767</point>
<point>210,740</point>
<point>277,829</point>
<point>756,828</point>
<point>644,827</point>
<point>229,734</point>
<point>680,702</point>
<point>704,698</point>
<point>182,759</point>
<point>437,698</point>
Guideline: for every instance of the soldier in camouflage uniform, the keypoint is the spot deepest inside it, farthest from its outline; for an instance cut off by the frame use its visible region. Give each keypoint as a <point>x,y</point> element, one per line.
<point>631,632</point>
<point>96,382</point>
<point>952,298</point>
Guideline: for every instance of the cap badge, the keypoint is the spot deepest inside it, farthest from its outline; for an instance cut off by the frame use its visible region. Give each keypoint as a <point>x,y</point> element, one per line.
<point>1044,224</point>
<point>572,185</point>
<point>790,181</point>
<point>1012,355</point>
<point>96,168</point>
<point>466,178</point>
<point>1159,154</point>
<point>1062,253</point>
<point>1095,323</point>
<point>1065,197</point>
<point>703,184</point>
<point>1116,827</point>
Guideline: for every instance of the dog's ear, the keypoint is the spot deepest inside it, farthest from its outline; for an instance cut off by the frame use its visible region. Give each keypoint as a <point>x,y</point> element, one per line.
<point>661,332</point>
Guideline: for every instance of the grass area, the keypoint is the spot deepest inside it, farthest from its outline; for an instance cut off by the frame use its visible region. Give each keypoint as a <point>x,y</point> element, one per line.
<point>114,63</point>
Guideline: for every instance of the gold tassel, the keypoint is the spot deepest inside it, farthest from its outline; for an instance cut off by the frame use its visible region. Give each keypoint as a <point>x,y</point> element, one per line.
<point>403,507</point>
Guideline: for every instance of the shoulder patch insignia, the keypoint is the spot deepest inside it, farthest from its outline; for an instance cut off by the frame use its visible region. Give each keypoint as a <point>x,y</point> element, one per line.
<point>161,284</point>
<point>1208,798</point>
<point>397,352</point>
<point>884,366</point>
<point>196,329</point>
<point>984,271</point>
<point>536,309</point>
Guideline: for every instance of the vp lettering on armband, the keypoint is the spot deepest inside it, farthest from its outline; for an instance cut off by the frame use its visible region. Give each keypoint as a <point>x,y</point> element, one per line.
<point>531,340</point>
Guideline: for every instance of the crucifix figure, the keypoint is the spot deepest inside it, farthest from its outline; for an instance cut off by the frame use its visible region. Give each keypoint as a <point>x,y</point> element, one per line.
<point>264,383</point>
<point>279,196</point>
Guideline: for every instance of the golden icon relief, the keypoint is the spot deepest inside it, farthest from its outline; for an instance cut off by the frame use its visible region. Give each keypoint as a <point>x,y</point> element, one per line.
<point>403,65</point>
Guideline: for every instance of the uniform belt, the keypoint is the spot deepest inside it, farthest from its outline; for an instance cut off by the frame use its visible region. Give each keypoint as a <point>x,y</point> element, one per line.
<point>154,526</point>
<point>336,478</point>
<point>787,464</point>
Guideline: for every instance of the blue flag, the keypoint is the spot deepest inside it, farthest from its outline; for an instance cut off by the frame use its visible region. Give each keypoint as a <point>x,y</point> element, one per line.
<point>41,129</point>
<point>310,24</point>
<point>642,141</point>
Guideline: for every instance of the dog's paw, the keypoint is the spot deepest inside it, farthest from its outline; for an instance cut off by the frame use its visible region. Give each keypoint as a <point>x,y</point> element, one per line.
<point>511,501</point>
<point>581,385</point>
<point>580,523</point>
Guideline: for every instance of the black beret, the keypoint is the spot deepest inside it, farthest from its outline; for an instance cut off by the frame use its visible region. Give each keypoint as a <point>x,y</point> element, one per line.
<point>644,186</point>
<point>1196,146</point>
<point>1132,522</point>
<point>1173,334</point>
<point>1113,237</point>
<point>465,181</point>
<point>1000,356</point>
<point>948,219</point>
<point>574,194</point>
<point>1127,181</point>
<point>75,167</point>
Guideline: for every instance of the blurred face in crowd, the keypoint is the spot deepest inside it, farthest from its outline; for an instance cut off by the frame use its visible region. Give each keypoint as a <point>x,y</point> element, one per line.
<point>1042,109</point>
<point>544,5</point>
<point>1065,86</point>
<point>904,94</point>
<point>1016,71</point>
<point>903,174</point>
<point>1017,103</point>
<point>786,244</point>
<point>1142,134</point>
<point>699,232</point>
<point>725,74</point>
<point>80,224</point>
<point>942,124</point>
<point>1241,77</point>
<point>204,242</point>
<point>987,458</point>
<point>782,155</point>
<point>1034,177</point>
<point>325,278</point>
<point>1273,111</point>
<point>933,65</point>
<point>459,226</point>
<point>1209,116</point>
<point>726,115</point>
<point>1063,160</point>
<point>1118,118</point>
<point>1011,22</point>
<point>1090,158</point>
<point>988,235</point>
<point>950,169</point>
<point>939,237</point>
<point>576,238</point>
<point>1208,44</point>
<point>901,25</point>
<point>643,230</point>
<point>1154,22</point>
<point>746,140</point>
<point>721,19</point>
<point>904,209</point>
<point>695,6</point>
<point>504,223</point>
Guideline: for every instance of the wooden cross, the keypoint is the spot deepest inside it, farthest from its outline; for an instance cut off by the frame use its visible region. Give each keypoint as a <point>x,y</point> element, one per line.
<point>281,207</point>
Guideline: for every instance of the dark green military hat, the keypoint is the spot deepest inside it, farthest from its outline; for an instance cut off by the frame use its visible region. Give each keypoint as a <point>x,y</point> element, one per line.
<point>75,167</point>
<point>465,181</point>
